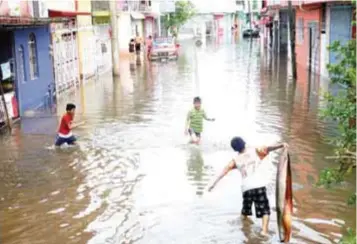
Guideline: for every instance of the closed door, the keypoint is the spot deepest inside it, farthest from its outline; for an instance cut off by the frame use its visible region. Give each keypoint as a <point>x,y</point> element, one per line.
<point>340,26</point>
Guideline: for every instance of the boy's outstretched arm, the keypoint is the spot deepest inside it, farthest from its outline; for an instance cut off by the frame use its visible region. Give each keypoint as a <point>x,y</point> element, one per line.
<point>206,118</point>
<point>226,170</point>
<point>276,147</point>
<point>77,124</point>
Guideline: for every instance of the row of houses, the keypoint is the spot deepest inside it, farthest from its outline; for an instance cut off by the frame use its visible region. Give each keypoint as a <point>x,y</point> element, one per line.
<point>318,23</point>
<point>48,47</point>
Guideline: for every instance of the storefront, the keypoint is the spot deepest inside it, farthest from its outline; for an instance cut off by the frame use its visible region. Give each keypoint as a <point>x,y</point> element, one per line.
<point>7,76</point>
<point>307,39</point>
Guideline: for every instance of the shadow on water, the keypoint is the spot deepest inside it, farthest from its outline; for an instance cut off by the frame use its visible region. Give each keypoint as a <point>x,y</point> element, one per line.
<point>134,179</point>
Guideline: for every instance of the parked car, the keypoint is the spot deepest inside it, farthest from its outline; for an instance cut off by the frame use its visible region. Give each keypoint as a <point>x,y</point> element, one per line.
<point>164,48</point>
<point>251,33</point>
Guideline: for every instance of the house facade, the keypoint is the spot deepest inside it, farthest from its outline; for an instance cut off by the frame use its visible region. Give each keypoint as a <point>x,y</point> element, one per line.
<point>137,18</point>
<point>317,25</point>
<point>65,45</point>
<point>27,74</point>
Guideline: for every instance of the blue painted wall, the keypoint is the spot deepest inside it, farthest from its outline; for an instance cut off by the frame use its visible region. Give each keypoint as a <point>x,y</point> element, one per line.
<point>32,93</point>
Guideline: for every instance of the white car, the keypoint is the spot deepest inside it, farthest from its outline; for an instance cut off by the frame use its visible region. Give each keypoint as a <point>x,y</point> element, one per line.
<point>164,48</point>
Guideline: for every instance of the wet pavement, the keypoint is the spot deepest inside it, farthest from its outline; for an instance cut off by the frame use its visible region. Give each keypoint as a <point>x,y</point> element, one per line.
<point>135,179</point>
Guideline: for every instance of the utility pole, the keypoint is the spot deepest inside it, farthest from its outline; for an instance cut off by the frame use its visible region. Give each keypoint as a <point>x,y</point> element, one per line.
<point>250,15</point>
<point>292,39</point>
<point>114,38</point>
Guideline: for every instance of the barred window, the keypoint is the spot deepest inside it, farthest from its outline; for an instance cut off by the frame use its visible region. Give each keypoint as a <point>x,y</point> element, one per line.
<point>33,56</point>
<point>22,67</point>
<point>300,30</point>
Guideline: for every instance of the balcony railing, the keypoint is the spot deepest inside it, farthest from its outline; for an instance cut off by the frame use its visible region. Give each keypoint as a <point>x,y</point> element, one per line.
<point>135,6</point>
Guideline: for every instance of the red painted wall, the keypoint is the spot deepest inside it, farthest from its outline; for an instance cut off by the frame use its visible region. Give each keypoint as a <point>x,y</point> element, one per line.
<point>302,48</point>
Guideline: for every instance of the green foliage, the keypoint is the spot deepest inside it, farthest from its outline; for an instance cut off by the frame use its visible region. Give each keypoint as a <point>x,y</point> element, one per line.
<point>328,177</point>
<point>341,108</point>
<point>184,10</point>
<point>352,199</point>
<point>349,238</point>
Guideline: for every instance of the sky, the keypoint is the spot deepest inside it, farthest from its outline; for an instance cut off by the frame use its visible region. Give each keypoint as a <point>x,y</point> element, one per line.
<point>204,6</point>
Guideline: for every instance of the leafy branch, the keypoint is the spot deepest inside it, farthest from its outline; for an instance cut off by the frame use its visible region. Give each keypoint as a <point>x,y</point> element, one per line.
<point>341,109</point>
<point>184,11</point>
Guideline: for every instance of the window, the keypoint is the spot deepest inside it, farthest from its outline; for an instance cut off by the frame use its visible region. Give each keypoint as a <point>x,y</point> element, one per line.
<point>104,48</point>
<point>300,30</point>
<point>22,67</point>
<point>255,4</point>
<point>33,57</point>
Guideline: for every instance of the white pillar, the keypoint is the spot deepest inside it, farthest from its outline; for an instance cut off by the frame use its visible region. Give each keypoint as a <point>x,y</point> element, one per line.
<point>115,46</point>
<point>159,25</point>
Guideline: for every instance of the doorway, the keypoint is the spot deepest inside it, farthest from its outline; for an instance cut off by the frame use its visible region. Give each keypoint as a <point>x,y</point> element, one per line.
<point>314,46</point>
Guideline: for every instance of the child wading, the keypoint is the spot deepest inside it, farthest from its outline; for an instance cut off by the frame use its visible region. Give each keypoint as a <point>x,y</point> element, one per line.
<point>65,128</point>
<point>254,191</point>
<point>194,121</point>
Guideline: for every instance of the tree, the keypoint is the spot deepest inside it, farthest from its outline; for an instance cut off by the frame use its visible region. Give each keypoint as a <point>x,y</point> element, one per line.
<point>184,10</point>
<point>341,109</point>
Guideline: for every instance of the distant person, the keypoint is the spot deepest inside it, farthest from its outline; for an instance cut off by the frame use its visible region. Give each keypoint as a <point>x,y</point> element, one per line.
<point>138,42</point>
<point>66,125</point>
<point>149,45</point>
<point>194,121</point>
<point>248,162</point>
<point>132,46</point>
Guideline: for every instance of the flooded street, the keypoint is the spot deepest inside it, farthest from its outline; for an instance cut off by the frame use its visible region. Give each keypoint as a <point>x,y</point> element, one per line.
<point>135,178</point>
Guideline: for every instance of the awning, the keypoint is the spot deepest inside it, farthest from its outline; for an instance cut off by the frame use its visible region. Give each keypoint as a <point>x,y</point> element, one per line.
<point>12,22</point>
<point>69,14</point>
<point>136,15</point>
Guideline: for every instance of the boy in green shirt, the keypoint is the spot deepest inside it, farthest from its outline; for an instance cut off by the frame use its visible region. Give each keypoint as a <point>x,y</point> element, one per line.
<point>194,121</point>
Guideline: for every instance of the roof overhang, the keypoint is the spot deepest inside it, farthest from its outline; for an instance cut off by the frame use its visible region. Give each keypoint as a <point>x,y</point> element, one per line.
<point>136,15</point>
<point>12,22</point>
<point>152,15</point>
<point>66,14</point>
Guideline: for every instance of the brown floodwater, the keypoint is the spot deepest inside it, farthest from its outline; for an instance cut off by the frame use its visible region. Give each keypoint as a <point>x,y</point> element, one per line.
<point>135,178</point>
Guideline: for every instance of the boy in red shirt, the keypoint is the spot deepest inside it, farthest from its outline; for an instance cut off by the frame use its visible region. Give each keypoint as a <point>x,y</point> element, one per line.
<point>65,128</point>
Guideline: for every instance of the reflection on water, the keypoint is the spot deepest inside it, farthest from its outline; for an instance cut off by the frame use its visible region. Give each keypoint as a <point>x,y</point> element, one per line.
<point>196,170</point>
<point>135,179</point>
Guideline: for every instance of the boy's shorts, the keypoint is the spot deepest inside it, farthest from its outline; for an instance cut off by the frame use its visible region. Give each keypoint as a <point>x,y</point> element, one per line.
<point>260,199</point>
<point>61,140</point>
<point>191,131</point>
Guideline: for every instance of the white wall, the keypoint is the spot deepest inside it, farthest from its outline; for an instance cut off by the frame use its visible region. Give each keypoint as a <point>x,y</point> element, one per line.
<point>124,32</point>
<point>324,53</point>
<point>215,6</point>
<point>155,6</point>
<point>140,25</point>
<point>324,58</point>
<point>62,5</point>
